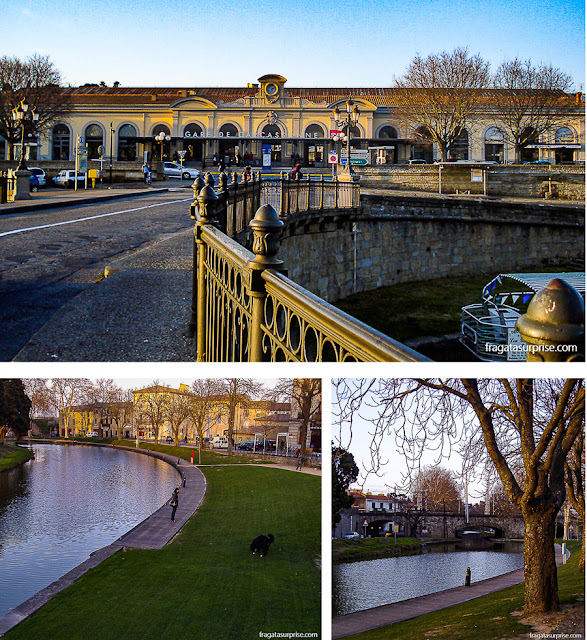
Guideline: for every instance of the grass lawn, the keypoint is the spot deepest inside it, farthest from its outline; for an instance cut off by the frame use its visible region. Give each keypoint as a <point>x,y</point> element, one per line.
<point>485,618</point>
<point>371,548</point>
<point>11,456</point>
<point>417,309</point>
<point>206,584</point>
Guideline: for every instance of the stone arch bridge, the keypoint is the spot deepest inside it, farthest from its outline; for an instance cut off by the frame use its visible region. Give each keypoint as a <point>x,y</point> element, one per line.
<point>432,524</point>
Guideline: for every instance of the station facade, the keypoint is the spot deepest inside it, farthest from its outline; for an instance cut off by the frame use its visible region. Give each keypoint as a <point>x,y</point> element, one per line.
<point>268,122</point>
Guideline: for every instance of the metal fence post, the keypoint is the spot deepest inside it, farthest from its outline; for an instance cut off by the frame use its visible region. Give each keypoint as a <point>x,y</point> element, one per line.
<point>553,327</point>
<point>197,186</point>
<point>321,192</point>
<point>266,227</point>
<point>222,204</point>
<point>207,200</point>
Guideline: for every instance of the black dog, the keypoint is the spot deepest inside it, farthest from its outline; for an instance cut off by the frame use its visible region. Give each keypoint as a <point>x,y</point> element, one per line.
<point>261,544</point>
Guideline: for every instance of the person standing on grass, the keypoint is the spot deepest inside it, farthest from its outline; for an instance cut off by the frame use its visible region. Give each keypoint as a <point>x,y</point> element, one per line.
<point>174,503</point>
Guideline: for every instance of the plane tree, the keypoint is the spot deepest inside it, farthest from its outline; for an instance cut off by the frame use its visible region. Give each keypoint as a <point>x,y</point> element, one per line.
<point>532,101</point>
<point>439,95</point>
<point>38,81</point>
<point>520,423</point>
<point>205,407</point>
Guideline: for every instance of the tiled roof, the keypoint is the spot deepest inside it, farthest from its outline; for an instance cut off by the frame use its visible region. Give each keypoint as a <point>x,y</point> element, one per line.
<point>379,96</point>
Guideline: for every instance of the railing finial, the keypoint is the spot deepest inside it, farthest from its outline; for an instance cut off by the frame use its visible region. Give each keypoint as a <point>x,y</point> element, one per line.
<point>266,227</point>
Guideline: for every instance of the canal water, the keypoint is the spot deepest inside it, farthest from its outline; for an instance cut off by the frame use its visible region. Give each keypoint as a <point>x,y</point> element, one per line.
<point>66,503</point>
<point>372,583</point>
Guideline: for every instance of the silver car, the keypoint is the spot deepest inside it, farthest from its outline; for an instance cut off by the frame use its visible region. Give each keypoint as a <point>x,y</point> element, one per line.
<point>175,170</point>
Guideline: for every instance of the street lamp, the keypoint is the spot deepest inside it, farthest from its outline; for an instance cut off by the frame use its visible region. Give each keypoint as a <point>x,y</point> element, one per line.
<point>21,115</point>
<point>161,138</point>
<point>346,123</point>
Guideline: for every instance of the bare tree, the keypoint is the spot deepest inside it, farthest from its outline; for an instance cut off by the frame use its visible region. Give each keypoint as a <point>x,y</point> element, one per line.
<point>439,94</point>
<point>204,407</point>
<point>38,81</point>
<point>305,396</point>
<point>151,404</point>
<point>532,101</point>
<point>237,391</point>
<point>177,411</point>
<point>436,488</point>
<point>65,394</point>
<point>533,422</point>
<point>121,407</point>
<point>38,392</point>
<point>574,470</point>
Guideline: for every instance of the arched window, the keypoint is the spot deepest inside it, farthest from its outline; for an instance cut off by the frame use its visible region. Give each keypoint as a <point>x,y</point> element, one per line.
<point>94,136</point>
<point>528,138</point>
<point>388,133</point>
<point>314,131</point>
<point>563,135</point>
<point>193,130</point>
<point>460,147</point>
<point>271,131</point>
<point>61,142</point>
<point>494,146</point>
<point>228,130</point>
<point>127,144</point>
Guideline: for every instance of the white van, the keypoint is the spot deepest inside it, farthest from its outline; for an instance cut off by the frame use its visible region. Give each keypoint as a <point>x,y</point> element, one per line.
<point>219,442</point>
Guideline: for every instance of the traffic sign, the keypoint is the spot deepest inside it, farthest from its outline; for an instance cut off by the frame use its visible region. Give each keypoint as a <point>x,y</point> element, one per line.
<point>333,158</point>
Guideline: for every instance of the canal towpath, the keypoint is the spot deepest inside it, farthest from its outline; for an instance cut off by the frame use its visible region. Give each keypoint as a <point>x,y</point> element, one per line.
<point>360,621</point>
<point>154,532</point>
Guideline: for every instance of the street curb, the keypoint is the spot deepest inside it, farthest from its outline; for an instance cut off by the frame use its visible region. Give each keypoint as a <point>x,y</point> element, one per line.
<point>59,204</point>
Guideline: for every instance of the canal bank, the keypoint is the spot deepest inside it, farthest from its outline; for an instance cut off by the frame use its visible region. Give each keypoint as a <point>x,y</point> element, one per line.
<point>152,533</point>
<point>206,583</point>
<point>376,617</point>
<point>13,456</point>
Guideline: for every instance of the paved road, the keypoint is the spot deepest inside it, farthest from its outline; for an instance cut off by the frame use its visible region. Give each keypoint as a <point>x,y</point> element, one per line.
<point>47,257</point>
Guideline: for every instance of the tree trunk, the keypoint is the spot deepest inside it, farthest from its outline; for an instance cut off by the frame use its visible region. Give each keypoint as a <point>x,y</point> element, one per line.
<point>540,580</point>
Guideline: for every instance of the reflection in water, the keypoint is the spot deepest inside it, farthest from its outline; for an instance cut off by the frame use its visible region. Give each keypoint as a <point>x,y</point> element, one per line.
<point>372,583</point>
<point>67,502</point>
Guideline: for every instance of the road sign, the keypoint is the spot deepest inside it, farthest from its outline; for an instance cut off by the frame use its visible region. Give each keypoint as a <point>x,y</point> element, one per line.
<point>333,158</point>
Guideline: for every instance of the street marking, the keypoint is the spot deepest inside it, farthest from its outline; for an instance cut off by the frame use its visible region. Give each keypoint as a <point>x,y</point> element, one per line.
<point>101,215</point>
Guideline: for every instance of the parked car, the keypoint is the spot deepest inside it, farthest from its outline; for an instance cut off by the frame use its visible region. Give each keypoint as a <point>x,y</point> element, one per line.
<point>218,442</point>
<point>41,176</point>
<point>93,434</point>
<point>66,178</point>
<point>353,535</point>
<point>417,161</point>
<point>538,162</point>
<point>169,439</point>
<point>175,170</point>
<point>246,446</point>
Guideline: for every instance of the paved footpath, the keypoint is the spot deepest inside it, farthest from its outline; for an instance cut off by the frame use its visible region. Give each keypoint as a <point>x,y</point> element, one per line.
<point>360,621</point>
<point>152,533</point>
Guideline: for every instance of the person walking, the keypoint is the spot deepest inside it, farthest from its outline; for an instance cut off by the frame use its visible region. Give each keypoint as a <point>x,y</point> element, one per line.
<point>300,459</point>
<point>174,503</point>
<point>146,173</point>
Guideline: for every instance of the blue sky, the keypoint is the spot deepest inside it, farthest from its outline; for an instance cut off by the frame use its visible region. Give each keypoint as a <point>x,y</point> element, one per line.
<point>310,42</point>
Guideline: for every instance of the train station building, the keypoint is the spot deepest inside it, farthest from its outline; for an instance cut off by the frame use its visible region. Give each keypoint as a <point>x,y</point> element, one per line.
<point>269,123</point>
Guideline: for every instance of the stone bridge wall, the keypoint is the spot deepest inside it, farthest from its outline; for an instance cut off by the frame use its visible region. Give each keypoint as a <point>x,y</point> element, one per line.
<point>395,239</point>
<point>524,181</point>
<point>433,525</point>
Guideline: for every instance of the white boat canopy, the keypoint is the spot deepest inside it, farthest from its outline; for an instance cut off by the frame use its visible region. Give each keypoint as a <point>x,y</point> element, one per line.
<point>516,289</point>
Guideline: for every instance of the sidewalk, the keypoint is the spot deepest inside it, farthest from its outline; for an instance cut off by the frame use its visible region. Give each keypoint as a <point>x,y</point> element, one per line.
<point>360,621</point>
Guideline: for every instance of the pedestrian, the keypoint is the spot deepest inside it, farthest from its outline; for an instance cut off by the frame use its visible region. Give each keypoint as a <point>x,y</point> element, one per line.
<point>221,166</point>
<point>296,174</point>
<point>174,503</point>
<point>468,577</point>
<point>247,174</point>
<point>146,173</point>
<point>184,481</point>
<point>300,459</point>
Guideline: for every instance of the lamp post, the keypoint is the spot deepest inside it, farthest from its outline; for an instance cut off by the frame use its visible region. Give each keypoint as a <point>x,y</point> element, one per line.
<point>346,123</point>
<point>161,138</point>
<point>21,115</point>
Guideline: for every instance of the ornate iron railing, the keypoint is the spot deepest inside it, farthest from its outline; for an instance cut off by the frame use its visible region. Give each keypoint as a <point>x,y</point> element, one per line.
<point>245,309</point>
<point>238,201</point>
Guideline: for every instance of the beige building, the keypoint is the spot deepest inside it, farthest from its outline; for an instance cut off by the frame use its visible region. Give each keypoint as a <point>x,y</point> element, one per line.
<point>269,123</point>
